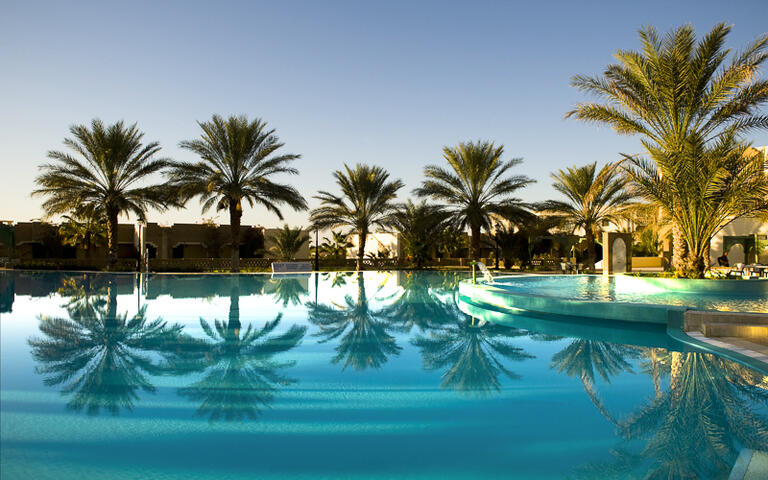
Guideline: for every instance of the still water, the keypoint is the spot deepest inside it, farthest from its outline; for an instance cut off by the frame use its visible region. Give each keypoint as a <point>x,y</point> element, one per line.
<point>342,375</point>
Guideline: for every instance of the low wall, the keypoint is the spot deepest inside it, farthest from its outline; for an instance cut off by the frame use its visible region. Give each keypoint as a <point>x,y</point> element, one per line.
<point>647,262</point>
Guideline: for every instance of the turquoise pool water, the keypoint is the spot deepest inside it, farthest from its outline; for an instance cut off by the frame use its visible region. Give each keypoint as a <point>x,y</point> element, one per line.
<point>730,295</point>
<point>347,376</point>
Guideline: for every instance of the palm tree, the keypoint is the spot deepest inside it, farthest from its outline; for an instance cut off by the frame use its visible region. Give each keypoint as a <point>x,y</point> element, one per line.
<point>287,242</point>
<point>238,162</point>
<point>83,228</point>
<point>365,334</point>
<point>583,358</point>
<point>102,358</point>
<point>476,188</point>
<point>336,246</point>
<point>366,201</point>
<point>703,191</point>
<point>418,226</point>
<point>105,175</point>
<point>676,93</point>
<point>240,375</point>
<point>592,198</point>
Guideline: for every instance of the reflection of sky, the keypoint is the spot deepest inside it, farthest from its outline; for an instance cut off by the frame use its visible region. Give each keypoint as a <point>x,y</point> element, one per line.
<point>396,419</point>
<point>752,298</point>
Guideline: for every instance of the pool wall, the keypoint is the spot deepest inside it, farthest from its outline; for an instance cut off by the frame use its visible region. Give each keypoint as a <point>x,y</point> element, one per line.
<point>514,301</point>
<point>624,320</point>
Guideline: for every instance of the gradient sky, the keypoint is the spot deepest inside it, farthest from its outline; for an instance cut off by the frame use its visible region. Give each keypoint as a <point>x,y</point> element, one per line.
<point>387,83</point>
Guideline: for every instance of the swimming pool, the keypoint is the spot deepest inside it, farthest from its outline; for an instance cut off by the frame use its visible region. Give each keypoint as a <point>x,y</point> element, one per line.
<point>726,295</point>
<point>346,376</point>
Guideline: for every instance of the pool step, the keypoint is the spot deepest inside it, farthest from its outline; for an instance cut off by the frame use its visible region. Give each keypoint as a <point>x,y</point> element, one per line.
<point>757,333</point>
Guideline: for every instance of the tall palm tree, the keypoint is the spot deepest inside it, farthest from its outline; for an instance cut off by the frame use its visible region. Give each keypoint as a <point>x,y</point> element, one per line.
<point>677,92</point>
<point>240,373</point>
<point>106,174</point>
<point>366,201</point>
<point>476,187</point>
<point>102,358</point>
<point>287,242</point>
<point>418,226</point>
<point>592,197</point>
<point>703,191</point>
<point>238,163</point>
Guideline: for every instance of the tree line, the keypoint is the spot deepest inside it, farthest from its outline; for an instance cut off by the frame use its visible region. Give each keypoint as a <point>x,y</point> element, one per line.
<point>691,101</point>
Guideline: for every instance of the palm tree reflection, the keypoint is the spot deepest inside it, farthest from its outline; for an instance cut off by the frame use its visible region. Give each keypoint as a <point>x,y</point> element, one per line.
<point>288,290</point>
<point>696,427</point>
<point>417,306</point>
<point>365,341</point>
<point>240,374</point>
<point>102,358</point>
<point>583,358</point>
<point>471,353</point>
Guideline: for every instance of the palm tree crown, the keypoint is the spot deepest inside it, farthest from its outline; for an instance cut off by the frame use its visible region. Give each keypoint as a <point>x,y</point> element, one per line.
<point>237,162</point>
<point>104,175</point>
<point>418,226</point>
<point>592,197</point>
<point>476,187</point>
<point>287,242</point>
<point>681,96</point>
<point>366,201</point>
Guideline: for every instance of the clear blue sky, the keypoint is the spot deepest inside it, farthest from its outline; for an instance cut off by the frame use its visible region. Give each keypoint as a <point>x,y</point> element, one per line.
<point>386,83</point>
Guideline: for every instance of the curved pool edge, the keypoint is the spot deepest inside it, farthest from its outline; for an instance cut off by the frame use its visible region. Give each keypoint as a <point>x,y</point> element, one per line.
<point>492,304</point>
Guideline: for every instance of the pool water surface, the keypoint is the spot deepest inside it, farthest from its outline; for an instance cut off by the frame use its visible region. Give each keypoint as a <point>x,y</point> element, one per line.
<point>340,375</point>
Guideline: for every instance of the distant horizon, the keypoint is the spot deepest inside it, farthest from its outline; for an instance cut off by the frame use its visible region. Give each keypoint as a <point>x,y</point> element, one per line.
<point>341,82</point>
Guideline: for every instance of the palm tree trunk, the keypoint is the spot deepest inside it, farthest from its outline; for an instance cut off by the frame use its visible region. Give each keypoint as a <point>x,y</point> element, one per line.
<point>235,213</point>
<point>112,237</point>
<point>679,249</point>
<point>589,237</point>
<point>362,236</point>
<point>475,230</point>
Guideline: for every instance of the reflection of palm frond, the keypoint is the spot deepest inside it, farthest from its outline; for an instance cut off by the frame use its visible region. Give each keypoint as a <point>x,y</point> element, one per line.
<point>288,291</point>
<point>364,338</point>
<point>103,359</point>
<point>583,358</point>
<point>240,377</point>
<point>470,354</point>
<point>697,425</point>
<point>417,305</point>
